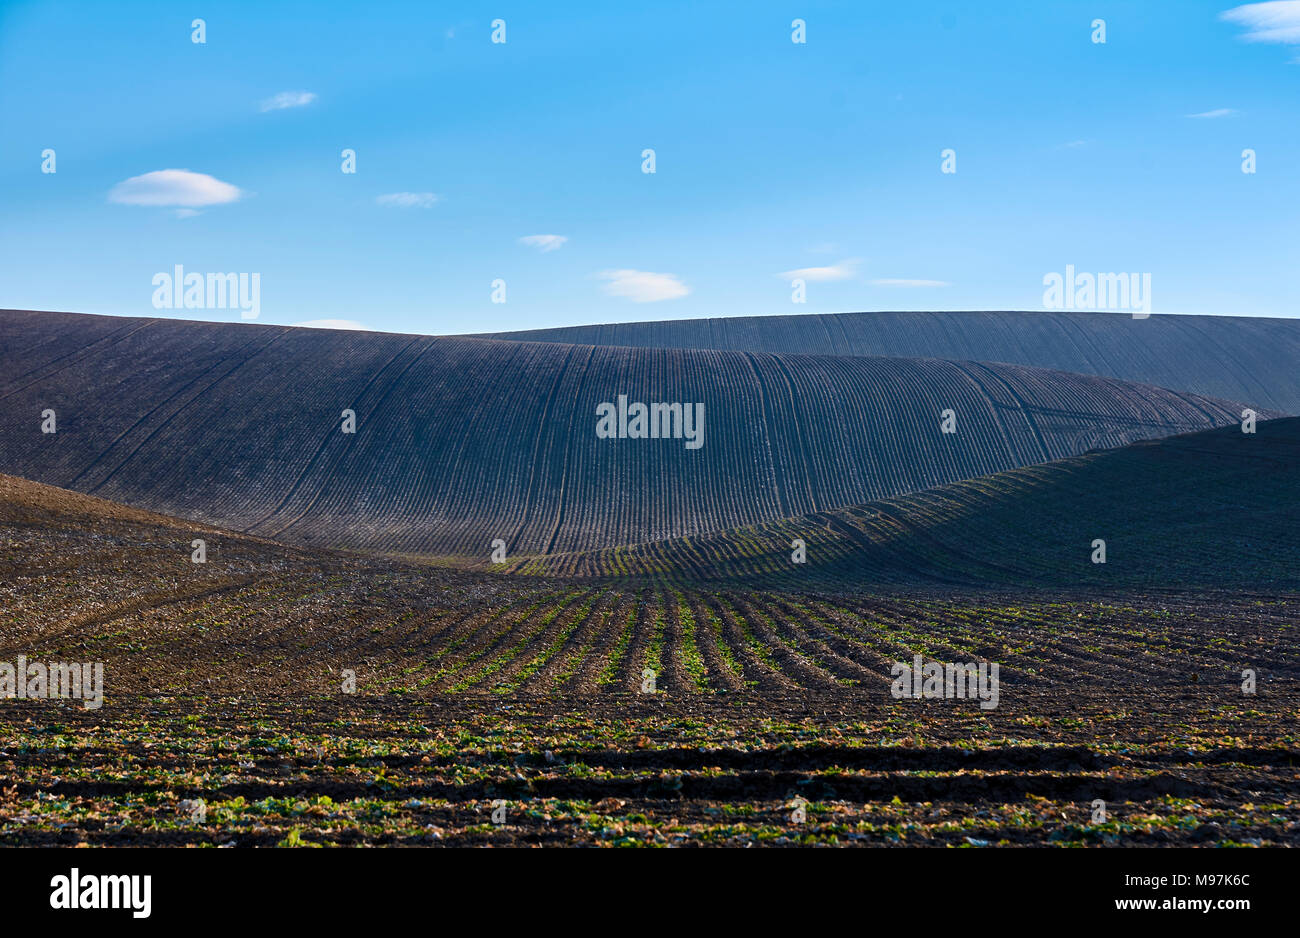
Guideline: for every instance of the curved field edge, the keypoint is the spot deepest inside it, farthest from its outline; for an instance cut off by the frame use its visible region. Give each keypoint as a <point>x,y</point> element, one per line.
<point>1250,359</point>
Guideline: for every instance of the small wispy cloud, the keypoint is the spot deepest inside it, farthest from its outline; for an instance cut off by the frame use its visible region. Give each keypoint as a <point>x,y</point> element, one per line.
<point>407,199</point>
<point>287,99</point>
<point>331,324</point>
<point>544,243</point>
<point>642,286</point>
<point>1074,144</point>
<point>910,283</point>
<point>1217,112</point>
<point>174,187</point>
<point>844,270</point>
<point>1277,21</point>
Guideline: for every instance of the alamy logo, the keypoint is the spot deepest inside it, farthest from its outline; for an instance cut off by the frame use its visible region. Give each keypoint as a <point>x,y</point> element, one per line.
<point>656,421</point>
<point>179,290</point>
<point>36,681</point>
<point>75,891</point>
<point>933,680</point>
<point>1098,291</point>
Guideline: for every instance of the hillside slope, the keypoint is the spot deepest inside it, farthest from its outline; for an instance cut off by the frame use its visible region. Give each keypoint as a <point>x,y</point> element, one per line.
<point>398,703</point>
<point>1218,508</point>
<point>1242,359</point>
<point>86,579</point>
<point>461,441</point>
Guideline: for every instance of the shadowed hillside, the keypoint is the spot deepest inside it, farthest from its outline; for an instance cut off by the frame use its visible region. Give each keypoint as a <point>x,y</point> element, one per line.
<point>459,441</point>
<point>1218,508</point>
<point>1242,359</point>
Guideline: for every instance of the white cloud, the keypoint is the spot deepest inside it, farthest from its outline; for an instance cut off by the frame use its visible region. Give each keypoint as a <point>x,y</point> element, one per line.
<point>544,243</point>
<point>641,286</point>
<point>331,324</point>
<point>178,187</point>
<point>910,283</point>
<point>1276,21</point>
<point>408,199</point>
<point>287,99</point>
<point>844,270</point>
<point>1217,112</point>
<point>186,213</point>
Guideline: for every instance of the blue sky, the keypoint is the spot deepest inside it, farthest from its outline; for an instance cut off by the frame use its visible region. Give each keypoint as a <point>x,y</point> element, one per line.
<point>771,156</point>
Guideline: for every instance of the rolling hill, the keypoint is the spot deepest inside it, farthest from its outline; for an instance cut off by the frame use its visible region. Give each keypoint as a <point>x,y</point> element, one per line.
<point>1242,359</point>
<point>460,441</point>
<point>1215,509</point>
<point>86,579</point>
